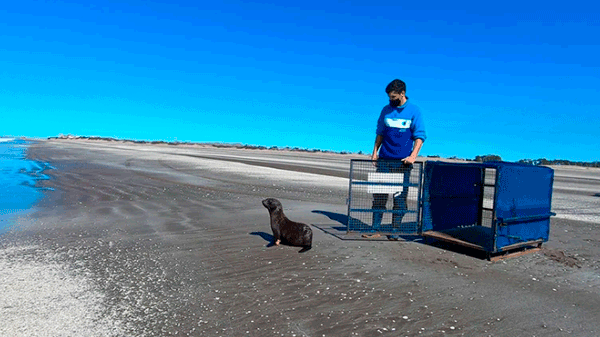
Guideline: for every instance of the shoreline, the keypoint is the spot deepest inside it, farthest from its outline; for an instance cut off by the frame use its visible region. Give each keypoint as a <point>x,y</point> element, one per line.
<point>176,242</point>
<point>20,181</point>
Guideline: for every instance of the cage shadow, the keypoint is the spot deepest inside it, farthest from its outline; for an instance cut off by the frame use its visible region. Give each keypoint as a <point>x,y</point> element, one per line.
<point>341,218</point>
<point>479,254</point>
<point>341,232</point>
<point>455,248</point>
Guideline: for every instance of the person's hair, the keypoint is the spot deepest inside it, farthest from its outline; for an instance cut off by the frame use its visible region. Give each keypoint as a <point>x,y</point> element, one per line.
<point>396,86</point>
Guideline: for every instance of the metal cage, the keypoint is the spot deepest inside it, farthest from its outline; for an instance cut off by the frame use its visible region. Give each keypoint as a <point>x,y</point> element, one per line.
<point>493,206</point>
<point>384,196</point>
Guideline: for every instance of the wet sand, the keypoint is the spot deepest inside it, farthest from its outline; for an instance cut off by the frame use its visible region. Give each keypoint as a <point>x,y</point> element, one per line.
<point>159,240</point>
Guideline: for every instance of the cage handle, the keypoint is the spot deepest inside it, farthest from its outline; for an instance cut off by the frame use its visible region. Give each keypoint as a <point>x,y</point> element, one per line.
<point>507,221</point>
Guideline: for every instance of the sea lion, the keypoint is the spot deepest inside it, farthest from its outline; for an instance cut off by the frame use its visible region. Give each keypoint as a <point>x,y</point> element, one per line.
<point>287,231</point>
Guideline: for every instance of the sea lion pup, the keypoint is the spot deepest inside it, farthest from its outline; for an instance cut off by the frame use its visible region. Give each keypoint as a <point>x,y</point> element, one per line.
<point>285,230</point>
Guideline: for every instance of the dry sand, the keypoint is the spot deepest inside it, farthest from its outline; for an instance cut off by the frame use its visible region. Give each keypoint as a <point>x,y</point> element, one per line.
<point>158,240</point>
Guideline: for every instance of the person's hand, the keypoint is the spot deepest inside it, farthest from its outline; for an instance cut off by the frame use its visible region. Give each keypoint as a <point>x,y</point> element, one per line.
<point>374,158</point>
<point>409,160</point>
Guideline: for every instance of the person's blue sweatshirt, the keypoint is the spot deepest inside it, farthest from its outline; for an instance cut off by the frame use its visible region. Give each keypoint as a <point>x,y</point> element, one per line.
<point>399,127</point>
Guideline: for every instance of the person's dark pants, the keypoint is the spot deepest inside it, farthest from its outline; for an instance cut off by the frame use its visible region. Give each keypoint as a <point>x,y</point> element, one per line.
<point>399,198</point>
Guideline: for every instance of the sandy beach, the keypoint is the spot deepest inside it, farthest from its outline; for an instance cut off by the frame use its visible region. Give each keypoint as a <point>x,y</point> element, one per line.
<point>160,240</point>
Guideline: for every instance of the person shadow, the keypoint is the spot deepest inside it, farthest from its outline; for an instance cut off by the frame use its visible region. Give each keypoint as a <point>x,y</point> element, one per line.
<point>341,218</point>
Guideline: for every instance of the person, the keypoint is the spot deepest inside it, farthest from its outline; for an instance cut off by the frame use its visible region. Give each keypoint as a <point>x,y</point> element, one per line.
<point>400,136</point>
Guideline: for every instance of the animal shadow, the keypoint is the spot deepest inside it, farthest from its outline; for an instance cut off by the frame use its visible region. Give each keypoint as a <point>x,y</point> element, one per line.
<point>271,240</point>
<point>267,237</point>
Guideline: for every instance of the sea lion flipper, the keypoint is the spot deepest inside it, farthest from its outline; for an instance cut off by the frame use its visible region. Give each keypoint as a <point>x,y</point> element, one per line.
<point>304,249</point>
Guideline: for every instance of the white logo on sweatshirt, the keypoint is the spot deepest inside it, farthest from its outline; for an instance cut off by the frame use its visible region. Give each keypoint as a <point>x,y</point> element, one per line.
<point>398,123</point>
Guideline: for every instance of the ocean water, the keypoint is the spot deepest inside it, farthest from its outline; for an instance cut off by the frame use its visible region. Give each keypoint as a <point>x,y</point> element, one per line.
<point>18,177</point>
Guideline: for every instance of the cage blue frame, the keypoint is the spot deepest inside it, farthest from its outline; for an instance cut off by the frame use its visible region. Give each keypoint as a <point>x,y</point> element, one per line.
<point>492,206</point>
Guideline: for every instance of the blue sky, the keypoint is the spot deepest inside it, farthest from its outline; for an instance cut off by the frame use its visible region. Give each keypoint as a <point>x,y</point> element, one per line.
<point>512,79</point>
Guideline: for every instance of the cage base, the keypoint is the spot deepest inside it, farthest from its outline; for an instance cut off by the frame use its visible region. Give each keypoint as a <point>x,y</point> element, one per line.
<point>451,239</point>
<point>509,255</point>
<point>515,250</point>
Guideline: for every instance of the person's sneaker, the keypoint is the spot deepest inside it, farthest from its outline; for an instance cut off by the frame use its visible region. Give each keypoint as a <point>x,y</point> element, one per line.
<point>393,237</point>
<point>371,236</point>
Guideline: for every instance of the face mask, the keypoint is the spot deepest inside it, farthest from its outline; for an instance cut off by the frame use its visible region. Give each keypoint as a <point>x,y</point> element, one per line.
<point>395,103</point>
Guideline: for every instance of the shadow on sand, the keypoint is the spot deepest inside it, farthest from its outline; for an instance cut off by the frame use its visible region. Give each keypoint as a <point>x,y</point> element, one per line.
<point>271,241</point>
<point>341,232</point>
<point>266,236</point>
<point>341,218</point>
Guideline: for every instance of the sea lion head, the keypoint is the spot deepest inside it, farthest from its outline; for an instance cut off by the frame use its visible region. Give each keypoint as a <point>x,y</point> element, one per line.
<point>271,204</point>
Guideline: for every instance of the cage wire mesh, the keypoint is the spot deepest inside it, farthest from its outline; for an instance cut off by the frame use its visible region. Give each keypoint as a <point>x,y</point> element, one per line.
<point>489,192</point>
<point>384,196</point>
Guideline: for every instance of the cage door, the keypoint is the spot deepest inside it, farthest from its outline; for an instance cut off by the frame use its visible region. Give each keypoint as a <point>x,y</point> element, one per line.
<point>384,197</point>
